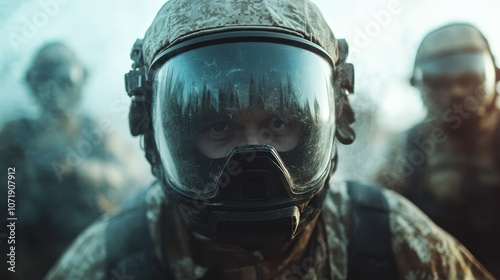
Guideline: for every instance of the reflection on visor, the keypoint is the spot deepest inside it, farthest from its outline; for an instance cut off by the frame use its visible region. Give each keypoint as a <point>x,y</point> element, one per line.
<point>212,99</point>
<point>464,70</point>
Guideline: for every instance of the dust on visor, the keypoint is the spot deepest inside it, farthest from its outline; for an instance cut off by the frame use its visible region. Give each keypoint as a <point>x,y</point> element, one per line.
<point>247,127</point>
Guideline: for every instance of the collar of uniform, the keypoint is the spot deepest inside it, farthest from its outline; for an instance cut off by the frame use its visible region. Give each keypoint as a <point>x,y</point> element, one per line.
<point>320,248</point>
<point>193,256</point>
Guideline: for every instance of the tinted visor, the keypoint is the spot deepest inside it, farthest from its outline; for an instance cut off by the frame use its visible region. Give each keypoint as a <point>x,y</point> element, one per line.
<point>465,70</point>
<point>212,99</point>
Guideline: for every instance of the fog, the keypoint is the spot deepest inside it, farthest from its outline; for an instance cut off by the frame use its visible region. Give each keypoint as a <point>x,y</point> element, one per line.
<point>383,37</point>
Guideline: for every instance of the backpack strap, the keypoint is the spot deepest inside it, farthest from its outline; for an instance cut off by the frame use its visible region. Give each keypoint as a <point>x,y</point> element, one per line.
<point>130,250</point>
<point>370,253</point>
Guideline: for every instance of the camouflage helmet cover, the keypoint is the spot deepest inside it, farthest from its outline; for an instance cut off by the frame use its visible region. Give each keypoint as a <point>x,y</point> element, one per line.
<point>454,38</point>
<point>178,20</point>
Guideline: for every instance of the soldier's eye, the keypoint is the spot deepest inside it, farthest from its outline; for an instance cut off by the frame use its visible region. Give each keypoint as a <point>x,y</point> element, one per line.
<point>219,130</point>
<point>278,125</point>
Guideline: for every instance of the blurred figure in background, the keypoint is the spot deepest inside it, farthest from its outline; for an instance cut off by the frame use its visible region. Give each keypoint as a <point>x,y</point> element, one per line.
<point>66,175</point>
<point>449,164</point>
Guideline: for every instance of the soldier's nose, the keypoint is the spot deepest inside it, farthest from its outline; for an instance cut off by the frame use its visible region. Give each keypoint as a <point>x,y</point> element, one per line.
<point>257,136</point>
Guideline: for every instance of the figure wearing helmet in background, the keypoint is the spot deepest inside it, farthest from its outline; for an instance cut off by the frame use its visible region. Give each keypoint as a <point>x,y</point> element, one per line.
<point>65,174</point>
<point>449,164</point>
<point>239,103</point>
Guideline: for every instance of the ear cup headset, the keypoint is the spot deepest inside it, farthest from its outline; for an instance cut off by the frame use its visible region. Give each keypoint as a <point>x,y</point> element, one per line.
<point>267,212</point>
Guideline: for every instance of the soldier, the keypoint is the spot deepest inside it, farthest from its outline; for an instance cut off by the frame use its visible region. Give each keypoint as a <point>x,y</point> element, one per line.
<point>449,164</point>
<point>64,174</point>
<point>239,103</point>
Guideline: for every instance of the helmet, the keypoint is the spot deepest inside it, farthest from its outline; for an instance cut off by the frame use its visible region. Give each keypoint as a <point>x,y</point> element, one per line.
<point>454,66</point>
<point>56,78</point>
<point>239,104</point>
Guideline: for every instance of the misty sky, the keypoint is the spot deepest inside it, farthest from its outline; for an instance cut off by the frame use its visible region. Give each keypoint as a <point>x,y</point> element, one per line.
<point>383,36</point>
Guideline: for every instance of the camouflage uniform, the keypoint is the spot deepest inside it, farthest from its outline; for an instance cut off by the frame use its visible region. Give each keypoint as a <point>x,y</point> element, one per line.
<point>421,250</point>
<point>456,182</point>
<point>448,165</point>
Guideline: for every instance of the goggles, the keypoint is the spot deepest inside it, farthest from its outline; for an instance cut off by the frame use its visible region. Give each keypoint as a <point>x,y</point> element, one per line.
<point>213,101</point>
<point>464,70</point>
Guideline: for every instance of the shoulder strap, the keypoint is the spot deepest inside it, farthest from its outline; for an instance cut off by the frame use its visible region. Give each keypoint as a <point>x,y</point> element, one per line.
<point>370,253</point>
<point>415,180</point>
<point>130,251</point>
